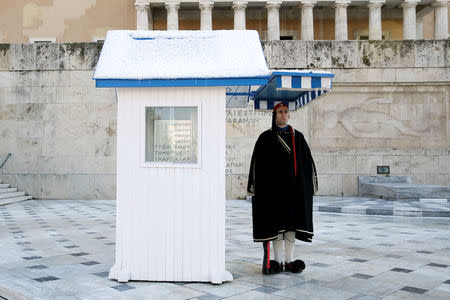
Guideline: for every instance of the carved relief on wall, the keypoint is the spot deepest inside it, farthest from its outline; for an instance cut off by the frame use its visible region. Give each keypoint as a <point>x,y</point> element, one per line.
<point>364,122</point>
<point>407,119</point>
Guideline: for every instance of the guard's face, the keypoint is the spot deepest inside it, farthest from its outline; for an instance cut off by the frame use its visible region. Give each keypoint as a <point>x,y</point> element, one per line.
<point>282,116</point>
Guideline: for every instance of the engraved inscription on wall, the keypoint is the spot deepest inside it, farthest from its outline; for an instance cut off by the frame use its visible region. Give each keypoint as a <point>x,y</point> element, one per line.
<point>235,164</point>
<point>244,125</point>
<point>246,122</point>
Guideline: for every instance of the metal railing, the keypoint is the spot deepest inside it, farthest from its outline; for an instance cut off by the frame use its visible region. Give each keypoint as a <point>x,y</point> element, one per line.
<point>4,161</point>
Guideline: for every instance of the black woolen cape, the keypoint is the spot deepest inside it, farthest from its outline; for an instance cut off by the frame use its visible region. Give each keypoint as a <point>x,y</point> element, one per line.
<point>281,201</point>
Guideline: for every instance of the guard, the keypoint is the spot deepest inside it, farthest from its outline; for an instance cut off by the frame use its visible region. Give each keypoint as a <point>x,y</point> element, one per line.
<point>282,182</point>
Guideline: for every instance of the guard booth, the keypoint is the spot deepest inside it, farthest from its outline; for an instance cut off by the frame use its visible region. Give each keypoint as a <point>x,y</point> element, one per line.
<point>172,88</point>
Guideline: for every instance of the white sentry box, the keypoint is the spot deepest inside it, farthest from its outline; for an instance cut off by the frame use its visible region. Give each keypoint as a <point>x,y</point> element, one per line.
<point>170,218</point>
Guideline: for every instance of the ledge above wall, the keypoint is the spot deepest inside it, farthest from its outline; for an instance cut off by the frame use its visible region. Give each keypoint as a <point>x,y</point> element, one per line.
<point>49,56</point>
<point>358,54</point>
<point>279,54</point>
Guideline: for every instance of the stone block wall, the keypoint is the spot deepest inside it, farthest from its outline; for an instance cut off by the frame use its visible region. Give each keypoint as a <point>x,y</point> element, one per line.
<point>60,129</point>
<point>389,106</point>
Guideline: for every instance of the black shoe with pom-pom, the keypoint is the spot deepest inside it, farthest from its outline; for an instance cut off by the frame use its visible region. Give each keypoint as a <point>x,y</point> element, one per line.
<point>273,268</point>
<point>270,266</point>
<point>296,266</point>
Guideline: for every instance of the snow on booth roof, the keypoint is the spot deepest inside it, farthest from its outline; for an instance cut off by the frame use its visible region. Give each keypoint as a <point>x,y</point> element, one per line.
<point>149,55</point>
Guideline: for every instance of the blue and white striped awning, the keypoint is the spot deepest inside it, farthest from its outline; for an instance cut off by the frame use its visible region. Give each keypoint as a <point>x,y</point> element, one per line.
<point>239,96</point>
<point>296,88</point>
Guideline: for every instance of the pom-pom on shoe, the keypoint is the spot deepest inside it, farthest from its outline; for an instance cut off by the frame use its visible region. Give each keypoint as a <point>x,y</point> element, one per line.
<point>296,266</point>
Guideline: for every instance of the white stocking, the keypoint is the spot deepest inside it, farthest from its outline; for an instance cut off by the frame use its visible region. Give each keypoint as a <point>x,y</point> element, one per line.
<point>277,248</point>
<point>289,242</point>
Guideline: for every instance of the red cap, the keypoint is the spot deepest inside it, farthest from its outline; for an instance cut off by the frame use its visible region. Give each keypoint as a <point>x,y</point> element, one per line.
<point>281,104</point>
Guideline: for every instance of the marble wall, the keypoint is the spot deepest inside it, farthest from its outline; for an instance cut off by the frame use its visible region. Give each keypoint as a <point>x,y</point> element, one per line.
<point>389,106</point>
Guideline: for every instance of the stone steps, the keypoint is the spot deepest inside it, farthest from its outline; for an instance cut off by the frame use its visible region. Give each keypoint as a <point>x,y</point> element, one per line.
<point>8,190</point>
<point>399,187</point>
<point>14,199</point>
<point>10,194</point>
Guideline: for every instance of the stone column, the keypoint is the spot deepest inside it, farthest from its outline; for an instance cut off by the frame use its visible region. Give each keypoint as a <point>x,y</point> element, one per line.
<point>340,20</point>
<point>172,8</point>
<point>375,32</point>
<point>409,20</point>
<point>419,28</point>
<point>142,14</point>
<point>273,20</point>
<point>419,20</point>
<point>239,15</point>
<point>150,18</point>
<point>307,22</point>
<point>206,15</point>
<point>440,19</point>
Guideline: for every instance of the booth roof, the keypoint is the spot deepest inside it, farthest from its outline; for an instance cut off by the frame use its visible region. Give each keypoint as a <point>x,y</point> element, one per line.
<point>147,55</point>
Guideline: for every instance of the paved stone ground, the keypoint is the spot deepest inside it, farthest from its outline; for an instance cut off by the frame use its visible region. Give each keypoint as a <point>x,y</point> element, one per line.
<point>63,249</point>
